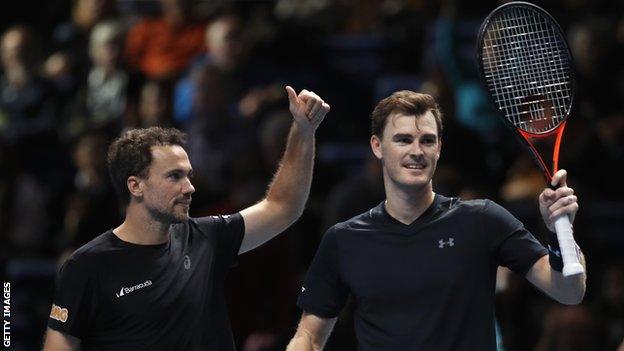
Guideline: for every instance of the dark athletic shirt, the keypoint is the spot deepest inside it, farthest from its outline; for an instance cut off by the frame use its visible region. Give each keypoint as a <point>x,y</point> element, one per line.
<point>114,295</point>
<point>428,285</point>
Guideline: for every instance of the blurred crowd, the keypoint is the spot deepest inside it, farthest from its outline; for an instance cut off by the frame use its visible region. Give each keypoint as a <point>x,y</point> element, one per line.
<point>76,73</point>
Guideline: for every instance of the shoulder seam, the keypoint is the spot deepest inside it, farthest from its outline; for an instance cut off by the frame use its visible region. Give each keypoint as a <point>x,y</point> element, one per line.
<point>79,253</point>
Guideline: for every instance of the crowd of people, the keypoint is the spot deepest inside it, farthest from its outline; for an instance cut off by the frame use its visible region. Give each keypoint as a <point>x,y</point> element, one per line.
<point>217,71</point>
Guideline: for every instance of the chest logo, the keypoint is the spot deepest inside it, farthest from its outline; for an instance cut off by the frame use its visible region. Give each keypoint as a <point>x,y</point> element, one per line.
<point>187,262</point>
<point>127,290</point>
<point>450,243</point>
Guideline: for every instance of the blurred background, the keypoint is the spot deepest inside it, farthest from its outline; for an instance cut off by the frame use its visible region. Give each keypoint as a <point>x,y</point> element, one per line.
<point>76,73</point>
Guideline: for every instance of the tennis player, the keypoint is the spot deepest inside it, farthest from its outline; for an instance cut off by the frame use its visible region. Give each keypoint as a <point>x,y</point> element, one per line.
<point>156,282</point>
<point>421,267</point>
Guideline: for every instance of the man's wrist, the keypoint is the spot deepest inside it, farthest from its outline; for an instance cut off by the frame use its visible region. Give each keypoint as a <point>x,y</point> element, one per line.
<point>303,132</point>
<point>554,252</point>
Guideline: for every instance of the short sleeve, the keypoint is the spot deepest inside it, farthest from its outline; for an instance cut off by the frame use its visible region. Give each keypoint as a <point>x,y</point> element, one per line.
<point>324,292</point>
<point>229,231</point>
<point>73,308</point>
<point>513,246</point>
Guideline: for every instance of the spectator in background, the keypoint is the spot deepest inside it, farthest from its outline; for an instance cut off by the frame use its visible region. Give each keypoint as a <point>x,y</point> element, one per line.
<point>153,108</point>
<point>107,82</point>
<point>68,64</point>
<point>27,101</point>
<point>220,103</point>
<point>247,87</point>
<point>216,136</point>
<point>161,48</point>
<point>28,129</point>
<point>102,102</point>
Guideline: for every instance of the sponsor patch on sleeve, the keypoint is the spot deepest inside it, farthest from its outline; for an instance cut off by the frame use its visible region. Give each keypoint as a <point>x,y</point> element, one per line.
<point>58,313</point>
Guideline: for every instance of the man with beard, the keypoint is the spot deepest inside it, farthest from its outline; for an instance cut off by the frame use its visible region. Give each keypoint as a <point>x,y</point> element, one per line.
<point>156,282</point>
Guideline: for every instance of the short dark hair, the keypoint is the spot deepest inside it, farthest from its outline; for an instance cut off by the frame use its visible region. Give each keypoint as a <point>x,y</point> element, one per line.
<point>408,103</point>
<point>131,155</point>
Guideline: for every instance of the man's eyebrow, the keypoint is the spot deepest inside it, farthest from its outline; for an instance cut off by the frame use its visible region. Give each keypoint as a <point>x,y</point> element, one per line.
<point>179,170</point>
<point>407,135</point>
<point>402,135</point>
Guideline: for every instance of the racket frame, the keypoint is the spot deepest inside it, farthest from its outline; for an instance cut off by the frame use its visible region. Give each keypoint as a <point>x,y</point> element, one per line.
<point>569,249</point>
<point>527,137</point>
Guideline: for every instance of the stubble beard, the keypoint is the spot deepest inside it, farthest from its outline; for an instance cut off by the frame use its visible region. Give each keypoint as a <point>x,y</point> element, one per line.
<point>167,217</point>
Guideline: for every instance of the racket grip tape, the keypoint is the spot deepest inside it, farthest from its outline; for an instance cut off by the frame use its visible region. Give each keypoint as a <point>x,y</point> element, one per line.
<point>569,252</point>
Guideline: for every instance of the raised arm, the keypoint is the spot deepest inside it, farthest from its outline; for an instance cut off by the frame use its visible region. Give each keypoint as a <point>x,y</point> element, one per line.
<point>553,203</point>
<point>289,190</point>
<point>312,333</point>
<point>57,341</point>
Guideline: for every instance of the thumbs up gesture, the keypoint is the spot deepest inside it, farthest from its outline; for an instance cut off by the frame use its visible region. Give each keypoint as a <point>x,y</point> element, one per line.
<point>307,108</point>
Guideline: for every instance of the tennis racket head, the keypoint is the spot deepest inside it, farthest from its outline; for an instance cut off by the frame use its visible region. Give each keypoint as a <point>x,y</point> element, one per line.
<point>526,66</point>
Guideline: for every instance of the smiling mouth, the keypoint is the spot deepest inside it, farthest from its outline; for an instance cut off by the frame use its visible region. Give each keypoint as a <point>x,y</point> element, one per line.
<point>417,166</point>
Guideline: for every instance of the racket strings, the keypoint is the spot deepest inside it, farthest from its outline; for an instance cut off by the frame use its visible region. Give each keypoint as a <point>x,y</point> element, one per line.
<point>527,69</point>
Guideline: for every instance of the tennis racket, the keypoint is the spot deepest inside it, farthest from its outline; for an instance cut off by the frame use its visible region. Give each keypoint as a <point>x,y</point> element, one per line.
<point>526,66</point>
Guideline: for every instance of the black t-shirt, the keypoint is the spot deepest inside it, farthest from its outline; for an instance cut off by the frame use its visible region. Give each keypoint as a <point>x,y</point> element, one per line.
<point>114,295</point>
<point>428,285</point>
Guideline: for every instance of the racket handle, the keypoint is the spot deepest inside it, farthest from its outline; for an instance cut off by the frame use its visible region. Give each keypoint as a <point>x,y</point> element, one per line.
<point>567,245</point>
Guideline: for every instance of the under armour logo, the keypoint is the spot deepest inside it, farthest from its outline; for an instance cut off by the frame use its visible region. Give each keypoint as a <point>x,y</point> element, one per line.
<point>442,243</point>
<point>187,262</point>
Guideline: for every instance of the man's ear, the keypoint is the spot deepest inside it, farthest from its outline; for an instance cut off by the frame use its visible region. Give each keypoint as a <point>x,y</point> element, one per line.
<point>135,186</point>
<point>375,144</point>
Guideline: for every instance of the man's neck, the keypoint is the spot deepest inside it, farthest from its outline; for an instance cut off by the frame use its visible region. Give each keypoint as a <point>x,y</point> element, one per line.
<point>407,205</point>
<point>140,228</point>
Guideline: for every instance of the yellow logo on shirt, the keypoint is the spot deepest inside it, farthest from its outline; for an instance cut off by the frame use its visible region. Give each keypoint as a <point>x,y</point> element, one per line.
<point>58,313</point>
